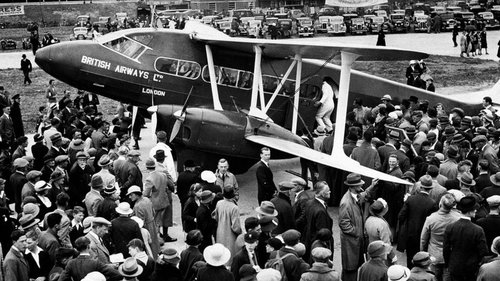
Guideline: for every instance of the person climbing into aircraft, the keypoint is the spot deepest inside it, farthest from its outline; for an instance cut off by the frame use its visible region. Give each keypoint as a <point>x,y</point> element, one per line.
<point>326,104</point>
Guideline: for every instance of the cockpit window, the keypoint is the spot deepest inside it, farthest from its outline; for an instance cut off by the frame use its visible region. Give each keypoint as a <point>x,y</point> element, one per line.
<point>127,47</point>
<point>183,68</point>
<point>142,38</point>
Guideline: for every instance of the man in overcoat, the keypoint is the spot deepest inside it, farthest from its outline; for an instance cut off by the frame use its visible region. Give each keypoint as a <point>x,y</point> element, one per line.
<point>266,187</point>
<point>284,207</point>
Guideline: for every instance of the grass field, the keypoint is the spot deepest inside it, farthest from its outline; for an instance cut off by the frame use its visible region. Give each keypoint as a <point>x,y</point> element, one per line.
<point>451,75</point>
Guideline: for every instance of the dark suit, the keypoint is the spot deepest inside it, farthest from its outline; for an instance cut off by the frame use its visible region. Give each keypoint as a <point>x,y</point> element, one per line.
<point>452,184</point>
<point>206,224</point>
<point>79,267</point>
<point>167,271</point>
<point>285,216</point>
<point>488,153</point>
<point>482,181</point>
<point>124,229</point>
<point>106,209</point>
<point>491,227</point>
<point>75,233</point>
<point>54,152</point>
<point>44,268</point>
<point>214,273</point>
<point>26,67</point>
<point>15,266</point>
<point>49,242</point>
<point>7,130</point>
<point>17,119</point>
<point>239,259</point>
<point>299,208</point>
<point>79,183</point>
<point>16,183</point>
<point>316,218</point>
<point>184,182</point>
<point>384,152</point>
<point>39,150</point>
<point>188,258</point>
<point>294,266</point>
<point>463,249</point>
<point>129,175</point>
<point>265,183</point>
<point>411,221</point>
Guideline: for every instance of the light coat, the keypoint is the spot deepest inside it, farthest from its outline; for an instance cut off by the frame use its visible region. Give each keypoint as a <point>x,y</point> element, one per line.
<point>227,215</point>
<point>143,208</point>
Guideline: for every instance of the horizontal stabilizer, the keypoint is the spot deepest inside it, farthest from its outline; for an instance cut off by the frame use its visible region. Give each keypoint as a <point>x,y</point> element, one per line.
<point>341,162</point>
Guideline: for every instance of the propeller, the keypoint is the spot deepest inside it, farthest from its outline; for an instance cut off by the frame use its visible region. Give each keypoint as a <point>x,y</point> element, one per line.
<point>180,116</point>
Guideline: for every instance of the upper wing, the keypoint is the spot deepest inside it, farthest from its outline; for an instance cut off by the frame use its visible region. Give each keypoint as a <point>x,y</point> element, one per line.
<point>341,162</point>
<point>307,48</point>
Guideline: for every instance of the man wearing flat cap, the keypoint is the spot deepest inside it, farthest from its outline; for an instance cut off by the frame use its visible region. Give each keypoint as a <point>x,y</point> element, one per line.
<point>464,244</point>
<point>282,203</point>
<point>320,269</point>
<point>29,187</point>
<point>130,174</point>
<point>293,265</point>
<point>99,251</point>
<point>491,223</point>
<point>300,198</point>
<point>79,179</point>
<point>486,151</point>
<point>17,181</point>
<point>376,267</point>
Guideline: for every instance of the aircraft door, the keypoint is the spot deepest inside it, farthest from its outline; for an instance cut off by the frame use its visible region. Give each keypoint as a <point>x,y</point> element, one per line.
<point>309,93</point>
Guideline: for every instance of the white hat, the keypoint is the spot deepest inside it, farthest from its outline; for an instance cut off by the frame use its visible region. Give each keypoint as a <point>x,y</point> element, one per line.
<point>94,276</point>
<point>268,274</point>
<point>386,97</point>
<point>216,255</point>
<point>133,188</point>
<point>208,176</point>
<point>457,194</point>
<point>42,185</point>
<point>124,209</point>
<point>398,273</point>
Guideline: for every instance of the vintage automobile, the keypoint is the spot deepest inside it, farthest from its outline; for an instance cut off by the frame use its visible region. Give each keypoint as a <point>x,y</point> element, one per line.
<point>8,44</point>
<point>103,23</point>
<point>477,9</point>
<point>82,20</point>
<point>453,9</point>
<point>398,23</point>
<point>322,24</point>
<point>120,19</point>
<point>254,28</point>
<point>296,14</point>
<point>381,13</point>
<point>80,33</point>
<point>347,21</point>
<point>448,21</point>
<point>465,19</point>
<point>488,20</point>
<point>496,11</point>
<point>358,26</point>
<point>438,9</point>
<point>210,19</point>
<point>421,23</point>
<point>337,26</point>
<point>379,23</point>
<point>327,11</point>
<point>238,13</point>
<point>305,27</point>
<point>369,23</point>
<point>285,28</point>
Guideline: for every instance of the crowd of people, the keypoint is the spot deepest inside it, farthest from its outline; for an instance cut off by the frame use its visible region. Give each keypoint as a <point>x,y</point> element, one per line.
<point>78,207</point>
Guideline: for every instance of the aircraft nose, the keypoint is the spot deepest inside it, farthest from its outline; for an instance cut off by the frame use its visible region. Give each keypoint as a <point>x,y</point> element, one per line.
<point>42,58</point>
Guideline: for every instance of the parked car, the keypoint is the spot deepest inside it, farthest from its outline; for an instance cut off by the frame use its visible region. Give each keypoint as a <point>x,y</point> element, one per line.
<point>377,24</point>
<point>8,44</point>
<point>398,23</point>
<point>421,23</point>
<point>488,20</point>
<point>80,33</point>
<point>254,28</point>
<point>82,20</point>
<point>210,19</point>
<point>296,14</point>
<point>347,21</point>
<point>285,28</point>
<point>358,26</point>
<point>465,19</point>
<point>322,24</point>
<point>305,27</point>
<point>337,26</point>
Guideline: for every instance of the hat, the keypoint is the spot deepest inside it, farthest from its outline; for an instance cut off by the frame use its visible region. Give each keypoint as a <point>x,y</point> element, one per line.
<point>77,145</point>
<point>352,136</point>
<point>479,138</point>
<point>291,237</point>
<point>216,255</point>
<point>31,209</point>
<point>61,158</point>
<point>300,248</point>
<point>386,97</point>
<point>275,243</point>
<point>82,154</point>
<point>27,221</point>
<point>208,176</point>
<point>41,186</point>
<point>481,131</point>
<point>124,209</point>
<point>467,204</point>
<point>20,163</point>
<point>393,134</point>
<point>170,255</point>
<point>409,175</point>
<point>268,274</point>
<point>100,220</point>
<point>419,113</point>
<point>285,186</point>
<point>398,273</point>
<point>457,194</point>
<point>379,207</point>
<point>495,245</point>
<point>56,175</point>
<point>28,158</point>
<point>407,143</point>
<point>134,153</point>
<point>320,131</point>
<point>134,188</point>
<point>194,237</point>
<point>354,179</point>
<point>413,62</point>
<point>159,155</point>
<point>94,276</point>
<point>251,237</point>
<point>321,253</point>
<point>299,181</point>
<point>426,182</point>
<point>38,138</point>
<point>150,163</point>
<point>452,152</point>
<point>467,179</point>
<point>55,137</point>
<point>96,181</point>
<point>460,112</point>
<point>493,201</point>
<point>130,268</point>
<point>206,196</point>
<point>268,223</point>
<point>189,164</point>
<point>411,131</point>
<point>267,208</point>
<point>378,248</point>
<point>449,131</point>
<point>87,224</point>
<point>104,161</point>
<point>109,189</point>
<point>422,259</point>
<point>33,174</point>
<point>161,135</point>
<point>457,138</point>
<point>466,121</point>
<point>138,220</point>
<point>247,272</point>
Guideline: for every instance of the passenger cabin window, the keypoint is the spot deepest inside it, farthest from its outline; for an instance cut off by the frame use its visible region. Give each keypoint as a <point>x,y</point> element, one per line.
<point>182,68</point>
<point>230,77</point>
<point>127,47</point>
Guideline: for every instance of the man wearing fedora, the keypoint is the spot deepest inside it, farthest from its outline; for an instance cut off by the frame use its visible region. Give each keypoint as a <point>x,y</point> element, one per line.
<point>93,198</point>
<point>204,221</point>
<point>166,266</point>
<point>316,216</point>
<point>486,151</point>
<point>99,228</point>
<point>55,147</point>
<point>351,218</point>
<point>462,167</point>
<point>450,166</point>
<point>83,264</point>
<point>216,257</point>
<point>464,243</point>
<point>106,208</point>
<point>376,267</point>
<point>265,182</point>
<point>105,163</point>
<point>158,187</point>
<point>168,159</point>
<point>412,217</point>
<point>186,178</point>
<point>491,223</point>
<point>494,189</point>
<point>124,229</point>
<point>130,270</point>
<point>421,271</point>
<point>376,227</point>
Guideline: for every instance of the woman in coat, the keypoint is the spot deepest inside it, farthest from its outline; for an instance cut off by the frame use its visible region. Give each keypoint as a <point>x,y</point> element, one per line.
<point>381,37</point>
<point>227,215</point>
<point>190,207</point>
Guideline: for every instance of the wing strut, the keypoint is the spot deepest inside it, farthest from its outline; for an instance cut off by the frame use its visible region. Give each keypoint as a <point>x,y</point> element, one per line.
<point>296,98</point>
<point>213,78</point>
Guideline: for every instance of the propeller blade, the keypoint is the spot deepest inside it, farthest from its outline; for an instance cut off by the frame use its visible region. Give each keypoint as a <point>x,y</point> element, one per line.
<point>175,129</point>
<point>180,118</point>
